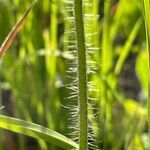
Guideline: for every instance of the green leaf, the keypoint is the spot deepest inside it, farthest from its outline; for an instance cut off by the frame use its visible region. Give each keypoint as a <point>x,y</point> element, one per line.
<point>11,36</point>
<point>36,131</point>
<point>135,109</point>
<point>146,7</point>
<point>142,70</point>
<point>127,47</point>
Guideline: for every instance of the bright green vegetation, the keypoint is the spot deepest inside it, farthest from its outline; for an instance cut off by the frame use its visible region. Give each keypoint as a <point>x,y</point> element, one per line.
<point>146,9</point>
<point>76,75</point>
<point>36,131</point>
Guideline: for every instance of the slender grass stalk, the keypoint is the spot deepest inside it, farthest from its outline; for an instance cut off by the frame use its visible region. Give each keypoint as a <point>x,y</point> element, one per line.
<point>107,53</point>
<point>107,61</point>
<point>146,4</point>
<point>126,49</point>
<point>82,77</point>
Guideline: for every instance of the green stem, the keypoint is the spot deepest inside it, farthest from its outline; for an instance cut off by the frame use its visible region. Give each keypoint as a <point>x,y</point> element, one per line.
<point>107,53</point>
<point>146,4</point>
<point>82,78</point>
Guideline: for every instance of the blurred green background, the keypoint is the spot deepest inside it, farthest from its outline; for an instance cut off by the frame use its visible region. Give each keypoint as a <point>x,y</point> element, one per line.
<point>33,74</point>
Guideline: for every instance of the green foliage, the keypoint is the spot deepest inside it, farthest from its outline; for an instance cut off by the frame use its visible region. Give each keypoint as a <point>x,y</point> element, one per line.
<point>113,81</point>
<point>37,131</point>
<point>146,9</point>
<point>142,70</point>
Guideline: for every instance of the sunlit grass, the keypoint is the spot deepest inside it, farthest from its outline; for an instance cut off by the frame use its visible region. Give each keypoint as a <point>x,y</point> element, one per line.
<point>33,73</point>
<point>146,8</point>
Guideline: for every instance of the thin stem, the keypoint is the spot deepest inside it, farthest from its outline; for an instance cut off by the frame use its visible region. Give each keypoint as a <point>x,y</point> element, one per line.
<point>146,4</point>
<point>82,78</point>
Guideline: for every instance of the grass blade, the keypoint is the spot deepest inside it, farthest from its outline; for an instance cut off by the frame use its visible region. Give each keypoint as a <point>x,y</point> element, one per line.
<point>36,131</point>
<point>146,4</point>
<point>11,36</point>
<point>127,46</point>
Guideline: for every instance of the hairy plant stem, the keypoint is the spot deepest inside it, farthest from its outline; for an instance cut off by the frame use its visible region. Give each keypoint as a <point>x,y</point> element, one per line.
<point>82,77</point>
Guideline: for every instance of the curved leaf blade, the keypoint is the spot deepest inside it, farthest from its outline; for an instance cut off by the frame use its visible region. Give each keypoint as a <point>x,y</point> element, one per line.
<point>36,131</point>
<point>11,36</point>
